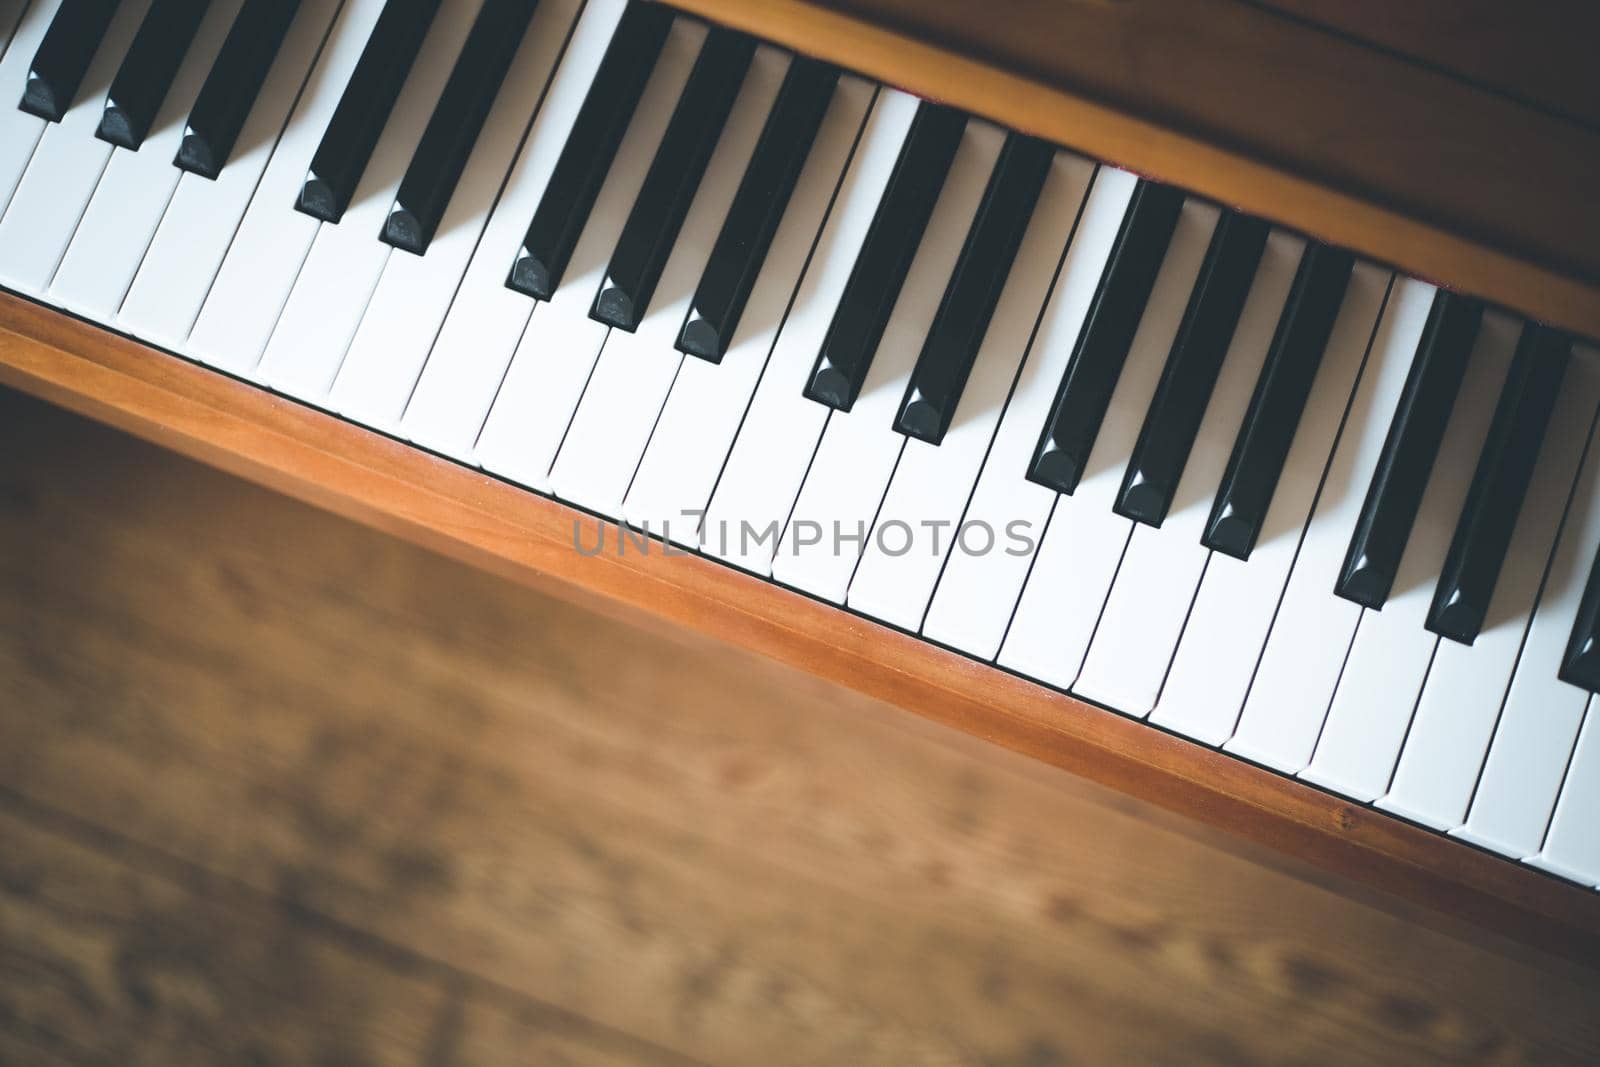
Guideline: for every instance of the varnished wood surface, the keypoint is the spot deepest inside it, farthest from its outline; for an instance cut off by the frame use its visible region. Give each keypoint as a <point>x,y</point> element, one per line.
<point>276,788</point>
<point>1400,161</point>
<point>514,533</point>
<point>1540,52</point>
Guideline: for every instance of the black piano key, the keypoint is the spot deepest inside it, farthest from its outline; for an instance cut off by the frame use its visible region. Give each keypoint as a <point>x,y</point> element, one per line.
<point>564,208</point>
<point>1505,467</point>
<point>63,56</point>
<point>1108,329</point>
<point>230,89</point>
<point>670,183</point>
<point>757,208</point>
<point>1280,396</point>
<point>1581,664</point>
<point>368,98</point>
<point>142,82</point>
<point>1190,374</point>
<point>975,285</point>
<point>885,257</point>
<point>1409,450</point>
<point>458,118</point>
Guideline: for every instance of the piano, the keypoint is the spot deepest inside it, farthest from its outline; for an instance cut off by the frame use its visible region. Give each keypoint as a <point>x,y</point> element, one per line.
<point>1088,436</point>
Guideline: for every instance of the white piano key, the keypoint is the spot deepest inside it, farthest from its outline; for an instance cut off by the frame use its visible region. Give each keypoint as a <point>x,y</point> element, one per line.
<point>1232,612</point>
<point>135,190</point>
<point>1533,739</point>
<point>227,253</point>
<point>707,400</point>
<point>340,274</point>
<point>414,293</point>
<point>1390,655</point>
<point>1466,686</point>
<point>780,431</point>
<point>486,318</point>
<point>1085,540</point>
<point>635,371</point>
<point>19,131</point>
<point>1155,586</point>
<point>860,447</point>
<point>1311,634</point>
<point>1572,846</point>
<point>558,349</point>
<point>932,484</point>
<point>977,592</point>
<point>1523,774</point>
<point>66,166</point>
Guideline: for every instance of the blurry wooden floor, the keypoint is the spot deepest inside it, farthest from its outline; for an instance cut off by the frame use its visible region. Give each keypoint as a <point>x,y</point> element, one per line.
<point>276,789</point>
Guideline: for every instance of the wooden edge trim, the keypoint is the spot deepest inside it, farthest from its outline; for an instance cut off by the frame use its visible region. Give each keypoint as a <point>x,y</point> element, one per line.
<point>1227,175</point>
<point>464,514</point>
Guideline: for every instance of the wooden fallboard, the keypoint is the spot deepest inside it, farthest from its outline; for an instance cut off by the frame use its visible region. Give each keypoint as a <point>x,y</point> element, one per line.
<point>467,515</point>
<point>1462,183</point>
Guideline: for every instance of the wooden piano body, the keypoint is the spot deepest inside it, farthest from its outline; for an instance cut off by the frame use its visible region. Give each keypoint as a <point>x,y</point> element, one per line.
<point>1457,141</point>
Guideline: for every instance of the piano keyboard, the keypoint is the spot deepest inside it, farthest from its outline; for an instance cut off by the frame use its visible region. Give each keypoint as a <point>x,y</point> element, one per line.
<point>1146,450</point>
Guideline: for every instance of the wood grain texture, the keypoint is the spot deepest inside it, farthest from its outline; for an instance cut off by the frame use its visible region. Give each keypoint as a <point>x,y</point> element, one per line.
<point>1401,163</point>
<point>1540,52</point>
<point>114,953</point>
<point>508,531</point>
<point>276,782</point>
<point>105,961</point>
